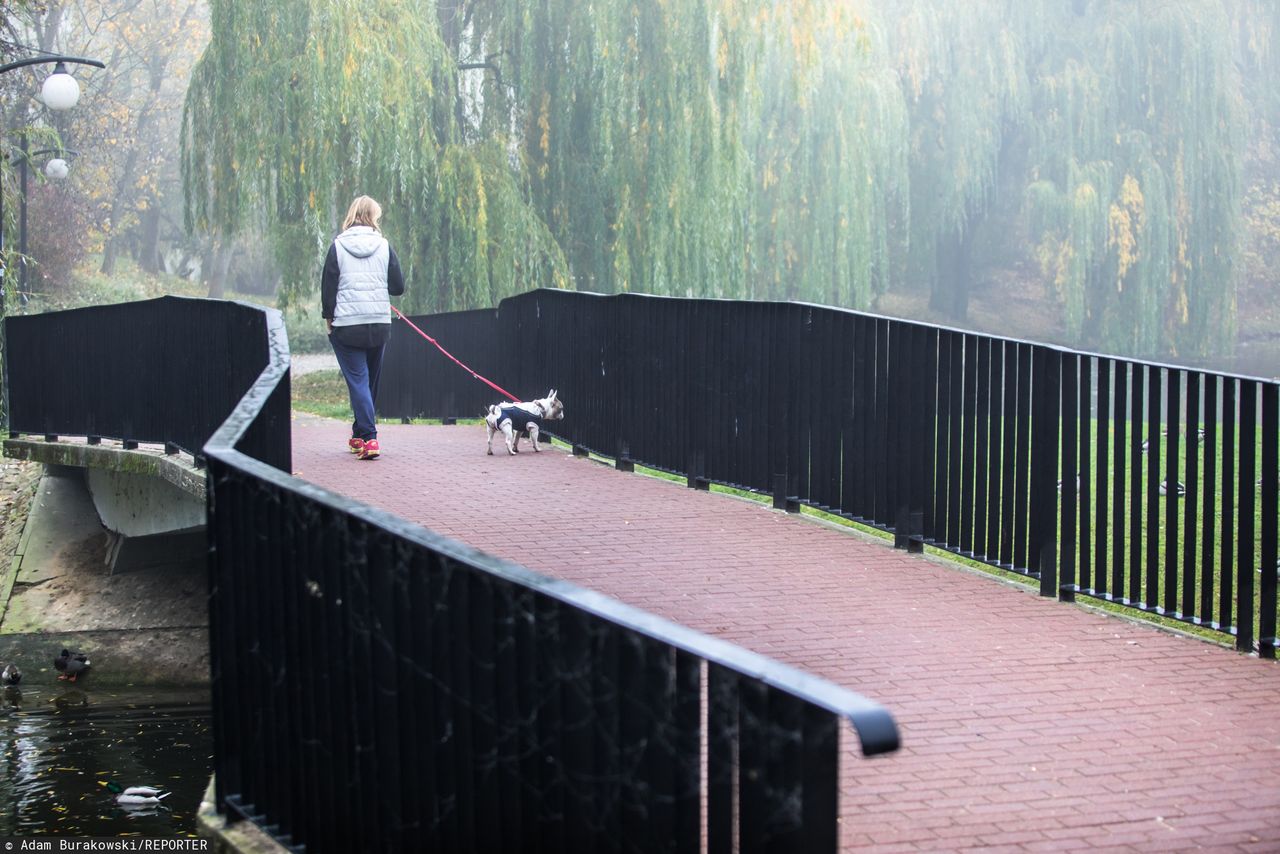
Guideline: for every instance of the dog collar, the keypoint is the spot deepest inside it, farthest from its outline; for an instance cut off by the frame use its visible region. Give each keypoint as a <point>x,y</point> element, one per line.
<point>541,408</point>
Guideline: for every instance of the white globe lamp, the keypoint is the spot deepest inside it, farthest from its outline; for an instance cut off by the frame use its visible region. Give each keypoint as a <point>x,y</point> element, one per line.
<point>60,90</point>
<point>57,169</point>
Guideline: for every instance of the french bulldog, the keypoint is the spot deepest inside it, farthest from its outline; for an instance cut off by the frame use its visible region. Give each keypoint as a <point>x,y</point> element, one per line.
<point>517,419</point>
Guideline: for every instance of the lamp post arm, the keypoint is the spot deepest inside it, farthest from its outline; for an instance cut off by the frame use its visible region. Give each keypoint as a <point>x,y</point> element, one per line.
<point>37,60</point>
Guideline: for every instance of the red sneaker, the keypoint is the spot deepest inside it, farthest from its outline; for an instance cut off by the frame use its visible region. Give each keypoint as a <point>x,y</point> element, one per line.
<point>355,445</point>
<point>369,450</point>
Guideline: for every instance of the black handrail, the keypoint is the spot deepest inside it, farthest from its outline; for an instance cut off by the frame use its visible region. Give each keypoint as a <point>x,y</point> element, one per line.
<point>1099,476</point>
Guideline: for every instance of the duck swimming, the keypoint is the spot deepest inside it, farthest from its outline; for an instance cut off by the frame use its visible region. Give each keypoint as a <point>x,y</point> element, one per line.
<point>135,795</point>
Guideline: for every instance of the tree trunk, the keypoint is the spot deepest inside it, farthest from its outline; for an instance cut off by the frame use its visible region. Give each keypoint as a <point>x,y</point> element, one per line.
<point>48,27</point>
<point>109,253</point>
<point>149,252</point>
<point>220,263</point>
<point>206,260</point>
<point>449,13</point>
<point>951,287</point>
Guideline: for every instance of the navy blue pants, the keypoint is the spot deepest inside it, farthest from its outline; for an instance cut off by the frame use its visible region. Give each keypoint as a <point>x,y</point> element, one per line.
<point>361,367</point>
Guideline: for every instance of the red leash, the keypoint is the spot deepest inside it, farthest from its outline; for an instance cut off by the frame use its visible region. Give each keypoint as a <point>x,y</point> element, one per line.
<point>493,386</point>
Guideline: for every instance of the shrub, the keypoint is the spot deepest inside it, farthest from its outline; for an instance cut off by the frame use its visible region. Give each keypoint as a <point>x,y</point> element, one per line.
<point>57,237</point>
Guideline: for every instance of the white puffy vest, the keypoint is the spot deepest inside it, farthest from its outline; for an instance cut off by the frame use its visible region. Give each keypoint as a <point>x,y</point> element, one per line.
<point>363,254</point>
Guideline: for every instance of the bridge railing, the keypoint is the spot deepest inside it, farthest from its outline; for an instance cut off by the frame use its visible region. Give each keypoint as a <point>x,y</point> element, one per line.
<point>166,370</point>
<point>377,687</point>
<point>1147,485</point>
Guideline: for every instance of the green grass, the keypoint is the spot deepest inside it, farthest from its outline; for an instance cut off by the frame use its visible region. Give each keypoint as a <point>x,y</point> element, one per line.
<point>1151,544</point>
<point>322,393</point>
<point>129,284</point>
<point>1156,545</point>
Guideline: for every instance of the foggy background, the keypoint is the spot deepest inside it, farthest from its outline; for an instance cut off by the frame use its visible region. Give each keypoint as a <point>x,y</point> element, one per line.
<point>1097,173</point>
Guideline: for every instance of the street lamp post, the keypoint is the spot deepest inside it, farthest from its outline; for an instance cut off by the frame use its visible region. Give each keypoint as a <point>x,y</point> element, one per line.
<point>22,224</point>
<point>60,91</point>
<point>56,169</point>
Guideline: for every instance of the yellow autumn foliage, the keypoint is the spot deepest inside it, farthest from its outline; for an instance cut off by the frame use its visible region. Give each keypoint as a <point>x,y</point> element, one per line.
<point>1126,221</point>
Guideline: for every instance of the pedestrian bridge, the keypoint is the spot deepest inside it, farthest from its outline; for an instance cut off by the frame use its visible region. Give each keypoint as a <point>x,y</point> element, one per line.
<point>424,685</point>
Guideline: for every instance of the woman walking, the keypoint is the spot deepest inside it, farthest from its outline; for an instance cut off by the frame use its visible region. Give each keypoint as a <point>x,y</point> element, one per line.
<point>361,272</point>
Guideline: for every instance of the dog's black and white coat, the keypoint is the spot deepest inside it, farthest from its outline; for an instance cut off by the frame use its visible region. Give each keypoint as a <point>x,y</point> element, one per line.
<point>516,419</point>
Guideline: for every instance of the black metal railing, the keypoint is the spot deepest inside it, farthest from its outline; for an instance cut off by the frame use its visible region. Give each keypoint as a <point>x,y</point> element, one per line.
<point>164,370</point>
<point>403,368</point>
<point>381,688</point>
<point>377,687</point>
<point>1151,486</point>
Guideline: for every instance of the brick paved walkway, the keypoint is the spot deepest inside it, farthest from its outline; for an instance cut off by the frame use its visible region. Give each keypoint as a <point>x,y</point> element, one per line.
<point>1027,724</point>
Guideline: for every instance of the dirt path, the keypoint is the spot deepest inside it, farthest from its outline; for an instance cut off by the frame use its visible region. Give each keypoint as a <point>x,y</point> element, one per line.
<point>309,363</point>
<point>18,482</point>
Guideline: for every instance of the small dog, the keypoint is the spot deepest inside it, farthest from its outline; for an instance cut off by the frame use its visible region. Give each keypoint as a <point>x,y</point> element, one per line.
<point>516,419</point>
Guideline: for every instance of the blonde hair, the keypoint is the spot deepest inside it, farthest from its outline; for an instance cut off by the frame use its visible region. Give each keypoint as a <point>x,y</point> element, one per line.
<point>363,211</point>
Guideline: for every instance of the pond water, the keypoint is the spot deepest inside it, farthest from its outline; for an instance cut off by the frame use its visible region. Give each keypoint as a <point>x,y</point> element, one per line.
<point>57,744</point>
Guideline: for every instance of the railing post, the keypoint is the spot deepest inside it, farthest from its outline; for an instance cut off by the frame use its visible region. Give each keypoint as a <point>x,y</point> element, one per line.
<point>1246,562</point>
<point>783,497</point>
<point>928,391</point>
<point>908,530</point>
<point>1045,416</point>
<point>696,476</point>
<point>1069,483</point>
<point>623,460</point>
<point>1270,520</point>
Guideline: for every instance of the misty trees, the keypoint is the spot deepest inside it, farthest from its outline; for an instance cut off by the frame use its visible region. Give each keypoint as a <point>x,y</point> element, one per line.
<point>963,69</point>
<point>692,148</point>
<point>810,150</point>
<point>1122,121</point>
<point>828,136</point>
<point>124,184</point>
<point>152,45</point>
<point>296,107</point>
<point>1137,146</point>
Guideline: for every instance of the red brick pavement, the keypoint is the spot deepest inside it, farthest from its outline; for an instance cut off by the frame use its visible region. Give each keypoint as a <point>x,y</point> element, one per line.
<point>1027,724</point>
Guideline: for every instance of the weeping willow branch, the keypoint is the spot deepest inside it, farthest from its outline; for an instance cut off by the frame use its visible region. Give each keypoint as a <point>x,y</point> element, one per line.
<point>299,106</point>
<point>810,149</point>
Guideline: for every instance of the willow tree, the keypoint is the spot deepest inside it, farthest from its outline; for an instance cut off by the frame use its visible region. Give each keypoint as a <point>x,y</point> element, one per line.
<point>963,68</point>
<point>1257,50</point>
<point>827,130</point>
<point>1137,142</point>
<point>742,148</point>
<point>300,105</point>
<point>625,118</point>
<point>717,147</point>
